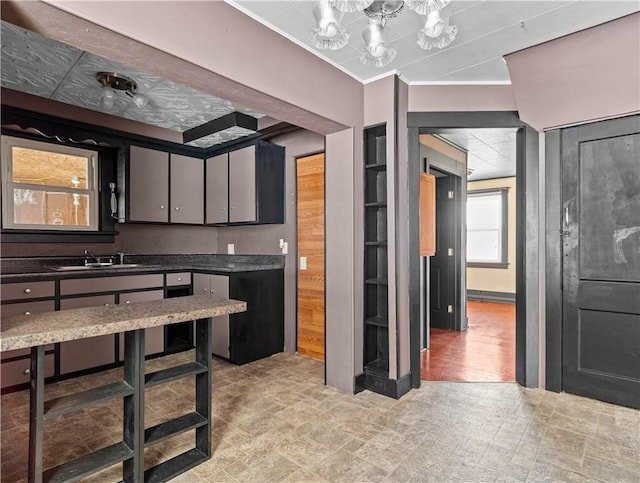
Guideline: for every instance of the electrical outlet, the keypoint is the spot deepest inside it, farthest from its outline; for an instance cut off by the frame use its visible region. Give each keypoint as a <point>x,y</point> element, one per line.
<point>231,248</point>
<point>285,248</point>
<point>281,243</point>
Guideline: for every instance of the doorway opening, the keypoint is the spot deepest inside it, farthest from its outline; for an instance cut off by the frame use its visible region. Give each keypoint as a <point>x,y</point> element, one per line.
<point>469,332</point>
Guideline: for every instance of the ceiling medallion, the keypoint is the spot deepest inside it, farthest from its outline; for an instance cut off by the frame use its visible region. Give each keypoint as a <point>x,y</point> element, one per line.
<point>437,32</point>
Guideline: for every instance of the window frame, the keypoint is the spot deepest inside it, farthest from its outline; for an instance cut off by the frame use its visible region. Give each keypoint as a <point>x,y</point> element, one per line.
<point>503,191</point>
<point>92,190</point>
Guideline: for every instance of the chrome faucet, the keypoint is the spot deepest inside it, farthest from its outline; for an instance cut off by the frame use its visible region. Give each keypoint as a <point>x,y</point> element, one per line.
<point>121,255</point>
<point>88,257</point>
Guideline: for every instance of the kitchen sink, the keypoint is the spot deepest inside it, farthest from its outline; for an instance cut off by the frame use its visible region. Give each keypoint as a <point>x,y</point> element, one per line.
<point>66,268</point>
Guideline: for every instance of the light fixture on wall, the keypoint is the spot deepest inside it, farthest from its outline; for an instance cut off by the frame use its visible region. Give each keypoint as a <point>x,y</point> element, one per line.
<point>112,82</point>
<point>329,34</point>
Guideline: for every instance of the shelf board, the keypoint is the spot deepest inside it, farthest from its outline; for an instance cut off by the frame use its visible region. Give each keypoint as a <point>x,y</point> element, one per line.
<point>173,373</point>
<point>173,427</point>
<point>376,166</point>
<point>378,321</point>
<point>378,366</point>
<point>376,204</point>
<point>377,281</point>
<point>381,243</point>
<point>89,463</point>
<point>175,466</point>
<point>81,400</point>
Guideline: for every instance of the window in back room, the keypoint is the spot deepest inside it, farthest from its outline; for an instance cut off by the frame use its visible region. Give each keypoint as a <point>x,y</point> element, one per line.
<point>487,227</point>
<point>48,186</point>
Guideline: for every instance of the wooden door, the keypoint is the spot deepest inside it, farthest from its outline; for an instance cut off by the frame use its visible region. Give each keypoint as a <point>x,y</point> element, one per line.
<point>187,189</point>
<point>217,185</point>
<point>242,185</point>
<point>148,185</point>
<point>601,260</point>
<point>310,189</point>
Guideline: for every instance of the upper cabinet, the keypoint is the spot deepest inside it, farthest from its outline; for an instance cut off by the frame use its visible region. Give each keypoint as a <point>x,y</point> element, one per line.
<point>148,185</point>
<point>165,188</point>
<point>246,186</point>
<point>187,189</point>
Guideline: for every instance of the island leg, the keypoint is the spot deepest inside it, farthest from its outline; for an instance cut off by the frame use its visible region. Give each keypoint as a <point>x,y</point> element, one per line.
<point>36,414</point>
<point>133,424</point>
<point>203,385</point>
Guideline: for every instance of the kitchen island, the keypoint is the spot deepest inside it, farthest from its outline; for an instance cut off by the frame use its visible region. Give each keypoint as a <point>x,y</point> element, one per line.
<point>38,330</point>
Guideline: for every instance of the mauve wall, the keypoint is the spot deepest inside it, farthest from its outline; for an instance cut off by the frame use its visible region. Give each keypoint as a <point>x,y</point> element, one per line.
<point>437,98</point>
<point>584,76</point>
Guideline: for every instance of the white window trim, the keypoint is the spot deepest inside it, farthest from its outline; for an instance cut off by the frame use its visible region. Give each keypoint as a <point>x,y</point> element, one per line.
<point>8,186</point>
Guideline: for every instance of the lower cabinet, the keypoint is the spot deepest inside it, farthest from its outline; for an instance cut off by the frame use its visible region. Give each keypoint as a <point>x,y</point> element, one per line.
<point>14,372</point>
<point>78,355</point>
<point>215,285</point>
<point>256,333</point>
<point>153,337</point>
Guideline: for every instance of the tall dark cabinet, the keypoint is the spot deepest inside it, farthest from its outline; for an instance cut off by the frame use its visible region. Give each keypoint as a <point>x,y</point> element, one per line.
<point>376,322</point>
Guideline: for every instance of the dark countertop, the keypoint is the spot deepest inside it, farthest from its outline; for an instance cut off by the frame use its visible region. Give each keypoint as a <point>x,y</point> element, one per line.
<point>31,269</point>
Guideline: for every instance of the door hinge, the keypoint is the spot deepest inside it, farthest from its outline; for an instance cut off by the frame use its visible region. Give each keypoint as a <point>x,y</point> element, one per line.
<point>451,194</point>
<point>450,252</point>
<point>450,309</point>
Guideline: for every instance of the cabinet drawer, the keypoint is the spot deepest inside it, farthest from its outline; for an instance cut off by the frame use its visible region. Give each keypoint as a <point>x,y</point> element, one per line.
<point>127,298</point>
<point>174,279</point>
<point>24,308</point>
<point>27,290</point>
<point>80,302</point>
<point>17,372</point>
<point>110,284</point>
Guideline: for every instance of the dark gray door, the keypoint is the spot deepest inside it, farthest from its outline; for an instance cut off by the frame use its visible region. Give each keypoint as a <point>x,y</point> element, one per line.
<point>442,274</point>
<point>601,260</point>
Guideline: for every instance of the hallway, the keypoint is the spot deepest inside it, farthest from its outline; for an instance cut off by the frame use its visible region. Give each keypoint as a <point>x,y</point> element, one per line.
<point>485,352</point>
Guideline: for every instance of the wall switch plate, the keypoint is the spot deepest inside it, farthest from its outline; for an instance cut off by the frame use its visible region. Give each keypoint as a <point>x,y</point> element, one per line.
<point>281,243</point>
<point>231,248</point>
<point>303,263</point>
<point>285,248</point>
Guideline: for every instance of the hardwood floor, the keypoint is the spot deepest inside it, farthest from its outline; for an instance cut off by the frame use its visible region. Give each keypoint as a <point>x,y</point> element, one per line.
<point>484,352</point>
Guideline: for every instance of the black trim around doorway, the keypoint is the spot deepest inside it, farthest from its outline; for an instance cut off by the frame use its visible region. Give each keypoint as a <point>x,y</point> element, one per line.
<point>527,148</point>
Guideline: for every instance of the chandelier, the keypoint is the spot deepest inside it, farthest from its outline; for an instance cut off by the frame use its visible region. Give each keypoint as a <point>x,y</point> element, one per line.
<point>329,34</point>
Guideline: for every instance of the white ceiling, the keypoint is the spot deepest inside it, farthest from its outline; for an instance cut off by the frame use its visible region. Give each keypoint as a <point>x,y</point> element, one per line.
<point>487,30</point>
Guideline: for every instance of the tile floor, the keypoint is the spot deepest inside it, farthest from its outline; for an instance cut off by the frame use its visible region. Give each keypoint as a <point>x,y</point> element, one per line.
<point>275,421</point>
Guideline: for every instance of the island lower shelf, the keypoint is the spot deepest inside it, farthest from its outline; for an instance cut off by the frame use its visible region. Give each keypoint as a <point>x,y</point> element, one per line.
<point>38,330</point>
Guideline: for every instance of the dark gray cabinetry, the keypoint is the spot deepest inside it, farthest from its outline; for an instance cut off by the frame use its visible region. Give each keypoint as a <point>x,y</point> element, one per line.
<point>376,317</point>
<point>256,333</point>
<point>148,185</point>
<point>246,186</point>
<point>165,188</point>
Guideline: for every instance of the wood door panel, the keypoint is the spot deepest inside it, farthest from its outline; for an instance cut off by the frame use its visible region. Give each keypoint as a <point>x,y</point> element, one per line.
<point>310,216</point>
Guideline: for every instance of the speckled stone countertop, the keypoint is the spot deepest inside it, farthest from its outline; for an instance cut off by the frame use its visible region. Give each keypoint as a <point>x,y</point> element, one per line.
<point>22,331</point>
<point>42,268</point>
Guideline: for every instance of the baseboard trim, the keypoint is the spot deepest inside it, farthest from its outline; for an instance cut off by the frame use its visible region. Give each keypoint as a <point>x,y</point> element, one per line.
<point>488,296</point>
<point>359,383</point>
<point>381,384</point>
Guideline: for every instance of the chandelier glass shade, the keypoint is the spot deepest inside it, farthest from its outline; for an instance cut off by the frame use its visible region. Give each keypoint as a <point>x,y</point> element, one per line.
<point>329,33</point>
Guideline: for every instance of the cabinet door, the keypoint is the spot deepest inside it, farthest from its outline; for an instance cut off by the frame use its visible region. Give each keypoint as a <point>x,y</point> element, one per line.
<point>148,185</point>
<point>242,185</point>
<point>217,182</point>
<point>76,355</point>
<point>187,189</point>
<point>201,284</point>
<point>220,324</point>
<point>25,308</point>
<point>153,336</point>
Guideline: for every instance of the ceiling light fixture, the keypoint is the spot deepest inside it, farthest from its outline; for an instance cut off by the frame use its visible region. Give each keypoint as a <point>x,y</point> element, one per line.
<point>111,82</point>
<point>329,34</point>
<point>228,127</point>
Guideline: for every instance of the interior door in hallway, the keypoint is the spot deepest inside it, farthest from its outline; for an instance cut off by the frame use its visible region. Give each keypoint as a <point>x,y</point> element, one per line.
<point>310,216</point>
<point>442,274</point>
<point>601,260</point>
